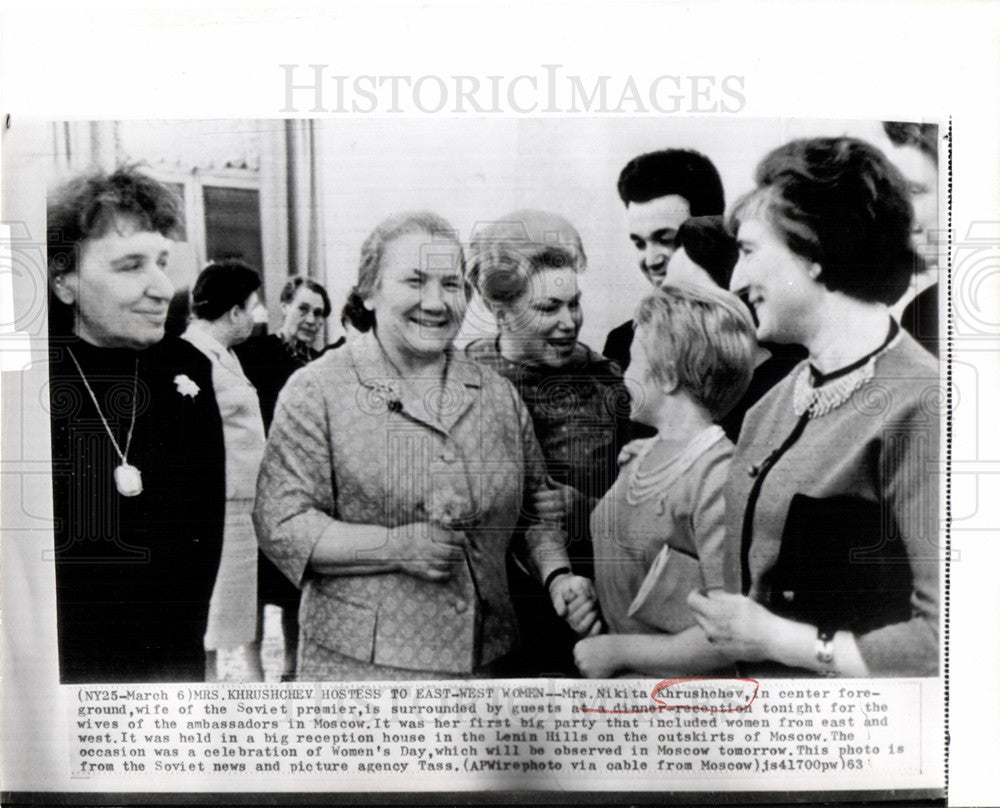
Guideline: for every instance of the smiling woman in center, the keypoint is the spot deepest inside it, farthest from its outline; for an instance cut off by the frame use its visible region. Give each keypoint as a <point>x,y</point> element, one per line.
<point>393,479</point>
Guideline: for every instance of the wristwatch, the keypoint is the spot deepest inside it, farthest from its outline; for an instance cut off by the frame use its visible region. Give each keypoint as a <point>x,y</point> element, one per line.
<point>555,574</point>
<point>824,653</point>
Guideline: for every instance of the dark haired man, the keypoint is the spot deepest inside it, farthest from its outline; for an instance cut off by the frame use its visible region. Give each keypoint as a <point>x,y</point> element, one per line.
<point>222,302</point>
<point>661,190</point>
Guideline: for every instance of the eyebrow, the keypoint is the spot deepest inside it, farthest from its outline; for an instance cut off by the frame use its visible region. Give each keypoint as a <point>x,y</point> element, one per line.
<point>545,300</point>
<point>663,231</point>
<point>137,256</point>
<point>422,274</point>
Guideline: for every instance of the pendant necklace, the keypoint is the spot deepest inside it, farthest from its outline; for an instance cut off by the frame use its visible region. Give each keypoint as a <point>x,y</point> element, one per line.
<point>128,480</point>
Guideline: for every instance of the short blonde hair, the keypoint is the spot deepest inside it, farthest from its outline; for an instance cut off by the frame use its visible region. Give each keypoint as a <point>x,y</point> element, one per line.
<point>702,338</point>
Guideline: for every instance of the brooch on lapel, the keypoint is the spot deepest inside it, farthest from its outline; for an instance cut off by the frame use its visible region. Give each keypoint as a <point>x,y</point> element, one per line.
<point>185,386</point>
<point>389,394</point>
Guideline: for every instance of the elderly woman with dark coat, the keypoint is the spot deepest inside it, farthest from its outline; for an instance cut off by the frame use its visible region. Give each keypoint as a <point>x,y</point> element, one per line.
<point>269,360</point>
<point>393,478</point>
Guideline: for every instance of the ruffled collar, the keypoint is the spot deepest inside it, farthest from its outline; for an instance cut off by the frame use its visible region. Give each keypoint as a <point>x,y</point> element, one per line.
<point>820,393</point>
<point>299,351</point>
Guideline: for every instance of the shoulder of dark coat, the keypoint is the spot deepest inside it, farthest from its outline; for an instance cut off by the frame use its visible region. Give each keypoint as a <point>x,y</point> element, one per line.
<point>260,342</point>
<point>173,354</point>
<point>600,366</point>
<point>265,348</point>
<point>623,330</point>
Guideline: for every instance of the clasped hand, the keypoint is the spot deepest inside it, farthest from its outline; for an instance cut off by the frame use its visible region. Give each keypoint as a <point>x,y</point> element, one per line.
<point>574,600</point>
<point>426,550</point>
<point>737,626</point>
<point>556,501</point>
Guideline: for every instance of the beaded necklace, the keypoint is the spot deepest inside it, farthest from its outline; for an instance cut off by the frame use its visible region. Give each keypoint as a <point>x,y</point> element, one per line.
<point>643,485</point>
<point>831,393</point>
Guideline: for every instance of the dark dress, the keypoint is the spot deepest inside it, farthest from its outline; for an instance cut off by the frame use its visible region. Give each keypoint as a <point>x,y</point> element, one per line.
<point>581,423</point>
<point>134,575</point>
<point>268,363</point>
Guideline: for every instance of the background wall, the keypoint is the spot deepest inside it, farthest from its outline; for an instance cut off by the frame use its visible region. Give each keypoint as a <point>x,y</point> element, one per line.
<point>470,171</point>
<point>322,185</point>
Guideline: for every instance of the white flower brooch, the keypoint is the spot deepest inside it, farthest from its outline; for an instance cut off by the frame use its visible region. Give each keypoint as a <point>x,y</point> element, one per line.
<point>185,386</point>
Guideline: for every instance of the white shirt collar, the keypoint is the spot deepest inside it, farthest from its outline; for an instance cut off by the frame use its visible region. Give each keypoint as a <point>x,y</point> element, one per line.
<point>197,334</point>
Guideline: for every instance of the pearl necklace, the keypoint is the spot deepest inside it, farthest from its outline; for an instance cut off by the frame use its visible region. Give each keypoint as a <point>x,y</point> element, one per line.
<point>128,479</point>
<point>818,401</point>
<point>644,485</point>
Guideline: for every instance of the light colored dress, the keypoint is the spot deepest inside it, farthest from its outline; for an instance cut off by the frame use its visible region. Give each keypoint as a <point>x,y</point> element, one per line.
<point>685,511</point>
<point>232,613</point>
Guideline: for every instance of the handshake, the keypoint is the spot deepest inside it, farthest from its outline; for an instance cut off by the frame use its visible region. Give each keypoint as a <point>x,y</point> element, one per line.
<point>430,551</point>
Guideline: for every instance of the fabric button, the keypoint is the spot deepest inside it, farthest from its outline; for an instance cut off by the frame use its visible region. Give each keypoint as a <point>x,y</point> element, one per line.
<point>448,455</point>
<point>460,606</point>
<point>788,596</point>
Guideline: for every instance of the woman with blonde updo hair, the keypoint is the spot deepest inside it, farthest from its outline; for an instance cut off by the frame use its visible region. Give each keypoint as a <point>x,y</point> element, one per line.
<point>526,267</point>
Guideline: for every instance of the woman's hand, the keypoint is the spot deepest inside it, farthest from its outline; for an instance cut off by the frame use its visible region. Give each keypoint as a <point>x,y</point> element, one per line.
<point>736,626</point>
<point>425,550</point>
<point>556,501</point>
<point>599,657</point>
<point>574,600</point>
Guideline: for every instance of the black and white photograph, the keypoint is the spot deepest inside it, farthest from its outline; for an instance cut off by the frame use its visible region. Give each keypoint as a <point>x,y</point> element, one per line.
<point>739,479</point>
<point>523,431</point>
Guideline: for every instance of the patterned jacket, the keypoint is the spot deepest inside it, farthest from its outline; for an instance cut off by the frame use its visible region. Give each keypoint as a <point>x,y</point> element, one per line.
<point>351,441</point>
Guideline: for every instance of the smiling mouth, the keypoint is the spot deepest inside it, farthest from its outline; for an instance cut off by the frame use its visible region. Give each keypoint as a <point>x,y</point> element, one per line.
<point>562,345</point>
<point>435,324</point>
